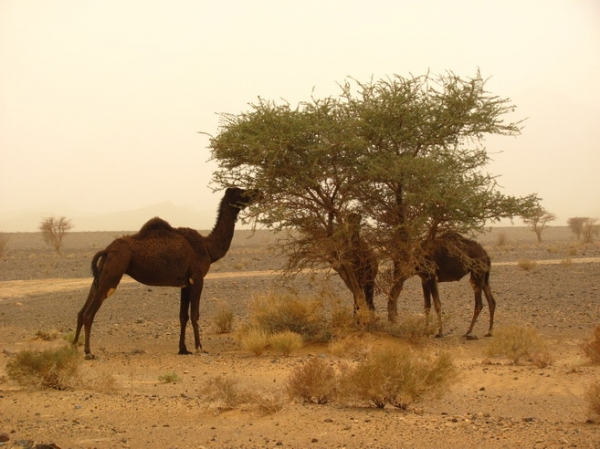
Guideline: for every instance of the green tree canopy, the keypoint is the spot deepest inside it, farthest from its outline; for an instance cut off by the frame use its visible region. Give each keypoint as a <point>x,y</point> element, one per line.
<point>406,153</point>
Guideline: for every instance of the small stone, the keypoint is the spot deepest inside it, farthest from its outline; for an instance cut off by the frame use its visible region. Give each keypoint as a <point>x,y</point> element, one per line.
<point>4,437</point>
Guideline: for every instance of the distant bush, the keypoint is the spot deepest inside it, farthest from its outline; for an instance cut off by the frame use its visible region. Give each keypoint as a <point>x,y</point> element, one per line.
<point>285,342</point>
<point>527,264</point>
<point>520,344</point>
<point>397,377</point>
<point>53,368</point>
<point>591,348</point>
<point>316,381</point>
<point>169,378</point>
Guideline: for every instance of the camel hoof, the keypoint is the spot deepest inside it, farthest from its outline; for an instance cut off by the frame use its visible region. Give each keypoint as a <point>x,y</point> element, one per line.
<point>184,352</point>
<point>471,337</point>
<point>438,335</point>
<point>90,357</point>
<point>489,334</point>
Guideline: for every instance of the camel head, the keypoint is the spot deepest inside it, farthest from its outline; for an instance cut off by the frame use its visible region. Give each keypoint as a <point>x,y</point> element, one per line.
<point>241,198</point>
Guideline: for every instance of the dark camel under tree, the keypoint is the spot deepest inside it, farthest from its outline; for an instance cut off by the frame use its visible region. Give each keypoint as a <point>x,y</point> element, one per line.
<point>160,255</point>
<point>449,258</point>
<point>358,265</point>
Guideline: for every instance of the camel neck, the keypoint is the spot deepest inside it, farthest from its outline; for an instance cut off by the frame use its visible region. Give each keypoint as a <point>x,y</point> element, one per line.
<point>219,239</point>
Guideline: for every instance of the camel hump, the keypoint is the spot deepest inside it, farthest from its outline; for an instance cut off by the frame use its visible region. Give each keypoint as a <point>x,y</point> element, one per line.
<point>155,224</point>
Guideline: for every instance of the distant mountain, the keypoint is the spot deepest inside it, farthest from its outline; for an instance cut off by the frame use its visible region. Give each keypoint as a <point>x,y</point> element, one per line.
<point>130,220</point>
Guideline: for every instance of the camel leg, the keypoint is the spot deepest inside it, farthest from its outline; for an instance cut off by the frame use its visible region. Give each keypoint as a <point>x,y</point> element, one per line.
<point>369,290</point>
<point>432,291</point>
<point>477,310</point>
<point>491,306</point>
<point>392,305</point>
<point>183,319</point>
<point>97,295</point>
<point>195,312</point>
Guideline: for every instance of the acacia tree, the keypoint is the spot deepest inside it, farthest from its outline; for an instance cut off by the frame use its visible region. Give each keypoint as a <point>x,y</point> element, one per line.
<point>404,153</point>
<point>53,230</point>
<point>538,218</point>
<point>576,225</point>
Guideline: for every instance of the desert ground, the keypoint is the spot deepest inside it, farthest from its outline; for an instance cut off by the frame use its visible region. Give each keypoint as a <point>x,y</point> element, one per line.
<point>121,403</point>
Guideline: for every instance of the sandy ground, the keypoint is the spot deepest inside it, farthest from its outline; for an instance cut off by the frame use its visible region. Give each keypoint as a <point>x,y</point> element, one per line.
<point>493,404</point>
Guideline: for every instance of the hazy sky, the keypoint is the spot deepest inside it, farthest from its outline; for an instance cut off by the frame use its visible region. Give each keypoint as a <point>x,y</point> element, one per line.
<point>101,101</point>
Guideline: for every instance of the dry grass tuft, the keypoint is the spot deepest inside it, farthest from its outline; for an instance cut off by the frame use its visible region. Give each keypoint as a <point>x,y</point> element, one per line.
<point>357,345</point>
<point>223,318</point>
<point>277,313</point>
<point>398,377</point>
<point>54,368</point>
<point>48,335</point>
<point>526,264</point>
<point>316,381</point>
<point>591,348</point>
<point>286,342</point>
<point>520,344</point>
<point>254,339</point>
<point>225,392</point>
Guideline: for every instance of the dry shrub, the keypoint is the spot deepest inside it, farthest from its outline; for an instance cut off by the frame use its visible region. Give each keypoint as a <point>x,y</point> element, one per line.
<point>254,339</point>
<point>48,335</point>
<point>519,344</point>
<point>169,378</point>
<point>223,318</point>
<point>357,345</point>
<point>286,342</point>
<point>592,398</point>
<point>526,264</point>
<point>225,392</point>
<point>415,326</point>
<point>398,377</point>
<point>269,403</point>
<point>591,348</point>
<point>277,313</point>
<point>52,368</point>
<point>316,381</point>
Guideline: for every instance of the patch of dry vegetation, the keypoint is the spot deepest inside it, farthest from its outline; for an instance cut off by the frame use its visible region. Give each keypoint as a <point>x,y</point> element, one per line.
<point>397,376</point>
<point>285,342</point>
<point>53,368</point>
<point>278,313</point>
<point>591,347</point>
<point>592,398</point>
<point>519,344</point>
<point>223,318</point>
<point>526,264</point>
<point>316,381</point>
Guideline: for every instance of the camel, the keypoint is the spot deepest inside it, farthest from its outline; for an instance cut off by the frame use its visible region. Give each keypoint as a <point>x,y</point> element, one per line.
<point>360,260</point>
<point>449,258</point>
<point>160,255</point>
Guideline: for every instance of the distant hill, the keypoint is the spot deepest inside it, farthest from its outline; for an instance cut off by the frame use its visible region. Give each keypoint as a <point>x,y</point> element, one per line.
<point>131,220</point>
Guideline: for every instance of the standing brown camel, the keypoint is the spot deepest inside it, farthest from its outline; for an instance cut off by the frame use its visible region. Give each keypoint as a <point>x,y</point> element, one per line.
<point>161,255</point>
<point>449,258</point>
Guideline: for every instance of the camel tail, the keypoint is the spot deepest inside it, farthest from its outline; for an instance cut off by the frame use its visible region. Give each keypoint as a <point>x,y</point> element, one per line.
<point>97,264</point>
